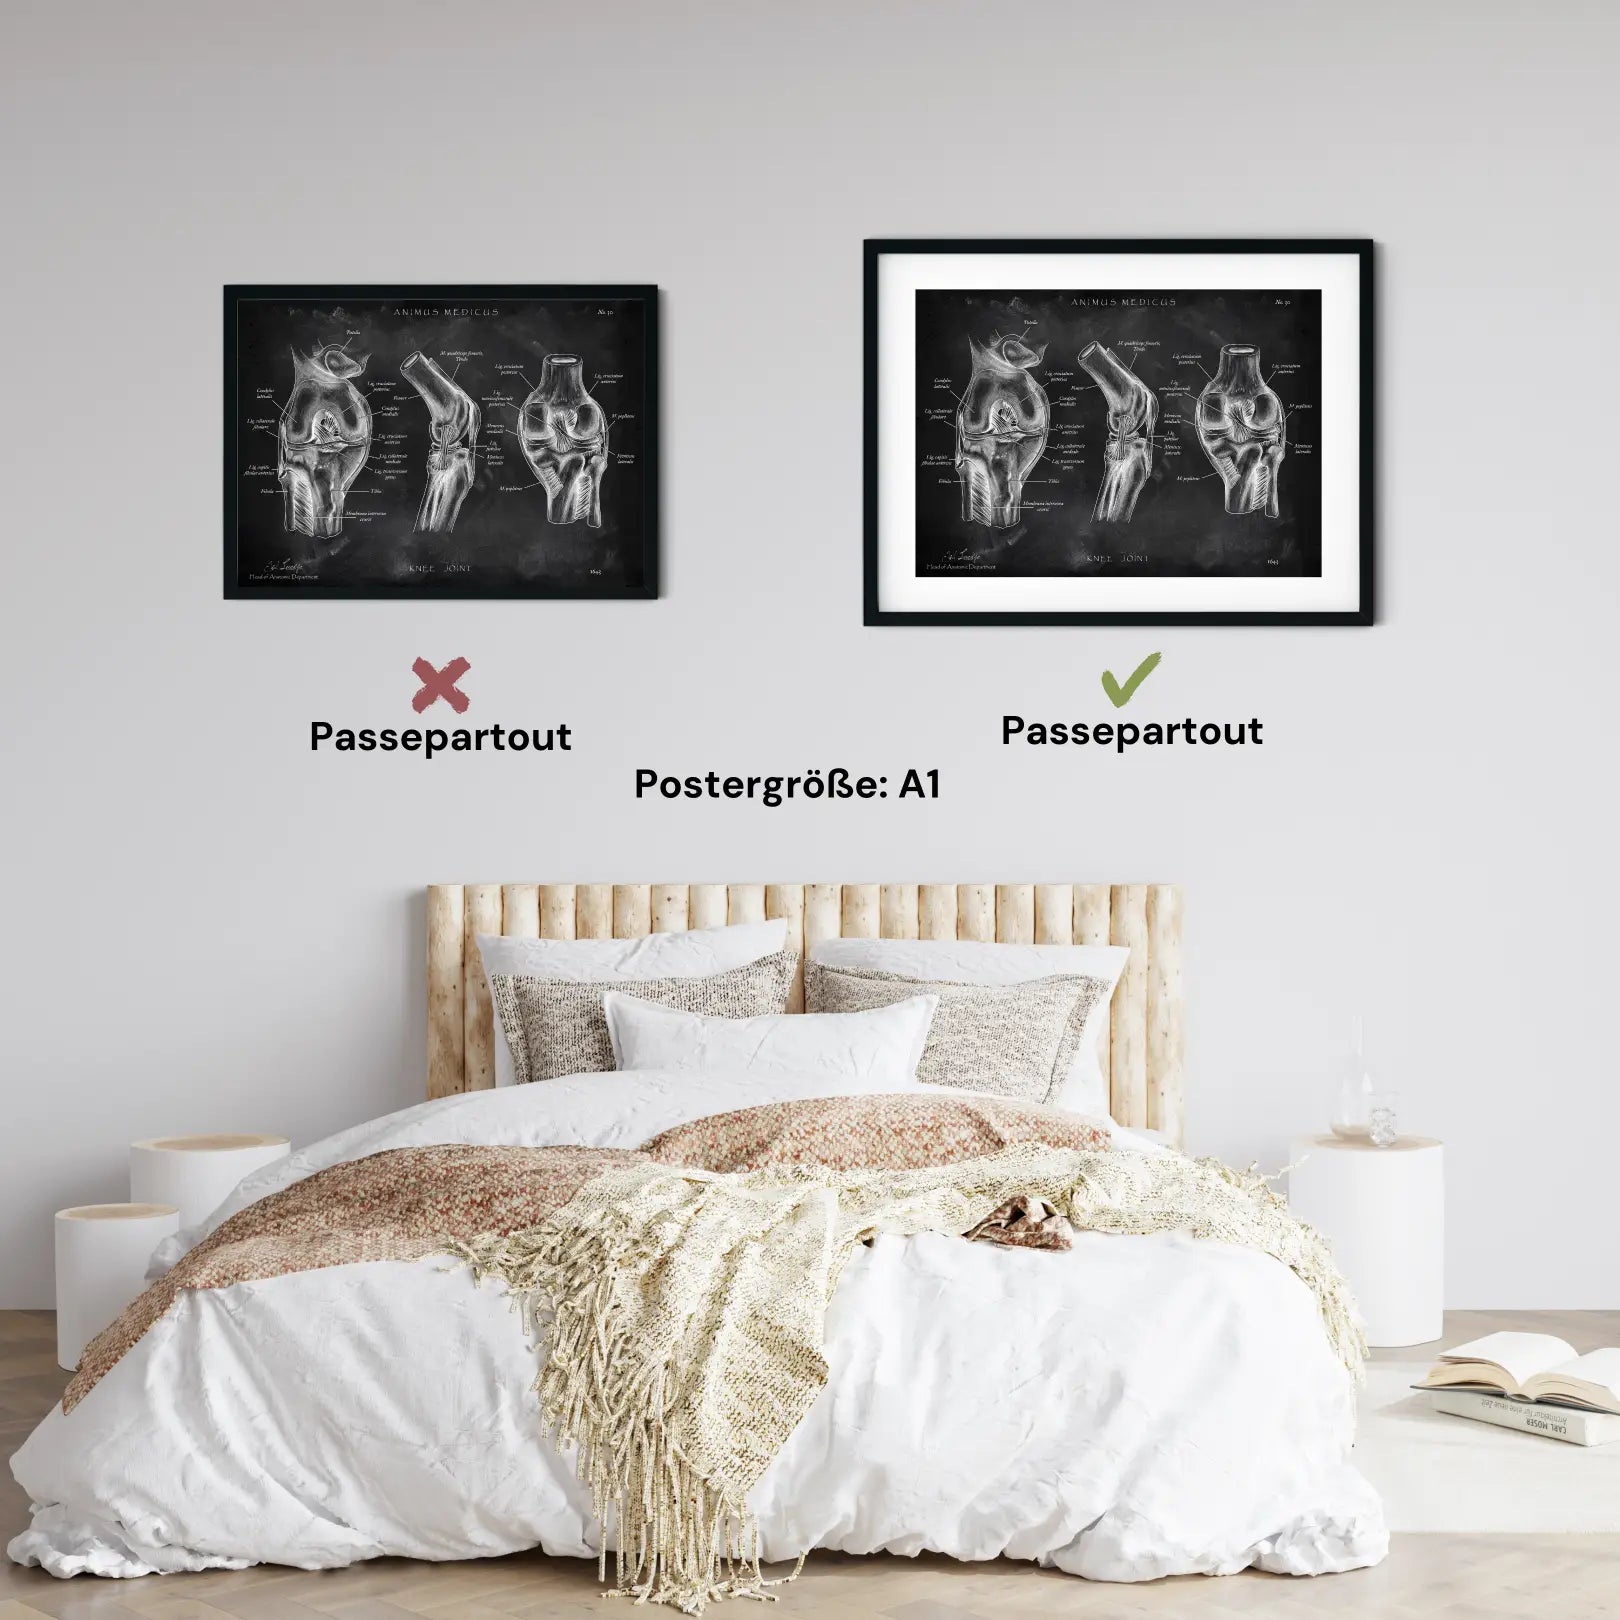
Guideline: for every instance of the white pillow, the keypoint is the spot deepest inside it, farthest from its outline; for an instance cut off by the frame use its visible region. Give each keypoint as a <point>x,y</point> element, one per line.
<point>693,953</point>
<point>966,961</point>
<point>881,1047</point>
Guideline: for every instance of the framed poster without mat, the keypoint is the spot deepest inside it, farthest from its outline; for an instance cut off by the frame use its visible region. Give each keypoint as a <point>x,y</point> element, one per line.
<point>441,441</point>
<point>1119,432</point>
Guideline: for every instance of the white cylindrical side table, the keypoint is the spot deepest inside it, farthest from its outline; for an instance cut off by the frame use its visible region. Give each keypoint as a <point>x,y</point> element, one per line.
<point>197,1173</point>
<point>101,1255</point>
<point>1383,1210</point>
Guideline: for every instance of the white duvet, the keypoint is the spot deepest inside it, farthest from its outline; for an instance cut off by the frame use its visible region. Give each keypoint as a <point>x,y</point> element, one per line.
<point>1136,1407</point>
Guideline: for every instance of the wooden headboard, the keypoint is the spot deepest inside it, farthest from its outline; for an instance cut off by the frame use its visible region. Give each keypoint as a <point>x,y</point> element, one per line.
<point>1145,1037</point>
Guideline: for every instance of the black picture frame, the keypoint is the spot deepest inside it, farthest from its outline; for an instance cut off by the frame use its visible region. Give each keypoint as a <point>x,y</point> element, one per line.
<point>1362,250</point>
<point>638,550</point>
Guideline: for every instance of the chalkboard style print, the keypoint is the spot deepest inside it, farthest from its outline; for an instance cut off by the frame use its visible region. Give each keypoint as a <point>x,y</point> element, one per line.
<point>1118,431</point>
<point>1112,432</point>
<point>441,441</point>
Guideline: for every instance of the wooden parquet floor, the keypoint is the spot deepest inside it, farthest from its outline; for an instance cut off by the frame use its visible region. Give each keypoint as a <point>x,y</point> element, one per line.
<point>1436,1577</point>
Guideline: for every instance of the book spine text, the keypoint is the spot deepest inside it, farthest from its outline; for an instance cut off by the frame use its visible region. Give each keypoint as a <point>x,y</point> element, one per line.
<point>1557,1423</point>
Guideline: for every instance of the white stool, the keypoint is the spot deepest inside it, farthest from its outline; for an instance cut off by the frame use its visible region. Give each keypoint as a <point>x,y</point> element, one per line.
<point>101,1255</point>
<point>1383,1210</point>
<point>197,1173</point>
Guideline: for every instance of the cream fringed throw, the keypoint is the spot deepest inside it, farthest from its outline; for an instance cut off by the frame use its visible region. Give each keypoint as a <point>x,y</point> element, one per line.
<point>683,1317</point>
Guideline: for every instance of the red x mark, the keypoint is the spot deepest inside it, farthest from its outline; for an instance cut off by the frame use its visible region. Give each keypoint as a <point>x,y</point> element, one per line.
<point>440,683</point>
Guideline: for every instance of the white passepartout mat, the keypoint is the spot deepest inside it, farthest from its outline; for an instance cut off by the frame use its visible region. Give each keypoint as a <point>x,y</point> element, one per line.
<point>1442,1473</point>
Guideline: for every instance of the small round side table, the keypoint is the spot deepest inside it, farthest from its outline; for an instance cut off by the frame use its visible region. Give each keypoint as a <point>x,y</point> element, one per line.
<point>1383,1210</point>
<point>197,1173</point>
<point>101,1255</point>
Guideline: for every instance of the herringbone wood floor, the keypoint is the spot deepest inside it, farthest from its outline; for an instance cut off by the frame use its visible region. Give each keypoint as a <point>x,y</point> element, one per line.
<point>1437,1577</point>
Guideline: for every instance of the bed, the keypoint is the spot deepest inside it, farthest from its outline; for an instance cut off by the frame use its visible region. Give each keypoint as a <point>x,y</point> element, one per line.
<point>1136,1407</point>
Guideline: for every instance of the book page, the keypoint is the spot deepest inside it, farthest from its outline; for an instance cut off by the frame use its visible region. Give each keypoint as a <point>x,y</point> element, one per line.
<point>1520,1355</point>
<point>1600,1367</point>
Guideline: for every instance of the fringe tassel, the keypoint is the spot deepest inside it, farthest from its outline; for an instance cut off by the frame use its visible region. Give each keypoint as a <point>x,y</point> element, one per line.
<point>679,1539</point>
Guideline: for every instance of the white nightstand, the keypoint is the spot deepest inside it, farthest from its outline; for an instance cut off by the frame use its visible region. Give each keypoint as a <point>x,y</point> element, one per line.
<point>1383,1210</point>
<point>101,1255</point>
<point>197,1173</point>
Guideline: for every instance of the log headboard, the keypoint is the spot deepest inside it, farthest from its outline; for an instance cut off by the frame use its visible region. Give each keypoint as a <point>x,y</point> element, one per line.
<point>1145,1036</point>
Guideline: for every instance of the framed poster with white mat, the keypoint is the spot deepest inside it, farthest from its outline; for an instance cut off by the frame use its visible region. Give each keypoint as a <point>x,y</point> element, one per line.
<point>1119,432</point>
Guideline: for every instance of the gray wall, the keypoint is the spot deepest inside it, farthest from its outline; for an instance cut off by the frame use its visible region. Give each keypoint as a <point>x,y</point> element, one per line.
<point>211,929</point>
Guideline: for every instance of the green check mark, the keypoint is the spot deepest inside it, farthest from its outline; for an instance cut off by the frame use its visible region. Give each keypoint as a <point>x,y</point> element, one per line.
<point>1119,695</point>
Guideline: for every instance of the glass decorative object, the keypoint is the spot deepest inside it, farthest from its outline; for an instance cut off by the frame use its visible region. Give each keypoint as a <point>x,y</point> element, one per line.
<point>1352,1110</point>
<point>1382,1128</point>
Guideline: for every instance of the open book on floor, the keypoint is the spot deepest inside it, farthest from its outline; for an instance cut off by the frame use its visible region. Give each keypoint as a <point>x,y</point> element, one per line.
<point>1531,1367</point>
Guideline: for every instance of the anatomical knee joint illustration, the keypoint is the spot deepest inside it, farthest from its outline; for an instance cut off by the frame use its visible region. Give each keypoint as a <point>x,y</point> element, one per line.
<point>442,440</point>
<point>564,434</point>
<point>453,448</point>
<point>1131,433</point>
<point>1133,413</point>
<point>1001,428</point>
<point>1004,420</point>
<point>1243,429</point>
<point>323,439</point>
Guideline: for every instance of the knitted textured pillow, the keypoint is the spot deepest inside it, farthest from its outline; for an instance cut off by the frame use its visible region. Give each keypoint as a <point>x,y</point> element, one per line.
<point>894,1131</point>
<point>556,1027</point>
<point>1014,1040</point>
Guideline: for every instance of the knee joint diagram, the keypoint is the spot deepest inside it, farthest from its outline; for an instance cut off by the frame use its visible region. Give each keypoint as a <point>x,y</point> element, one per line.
<point>323,440</point>
<point>1004,418</point>
<point>326,434</point>
<point>454,444</point>
<point>1242,428</point>
<point>1001,428</point>
<point>564,435</point>
<point>1133,414</point>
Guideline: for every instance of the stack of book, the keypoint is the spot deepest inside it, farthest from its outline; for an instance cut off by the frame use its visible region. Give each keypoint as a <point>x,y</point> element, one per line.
<point>1533,1382</point>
